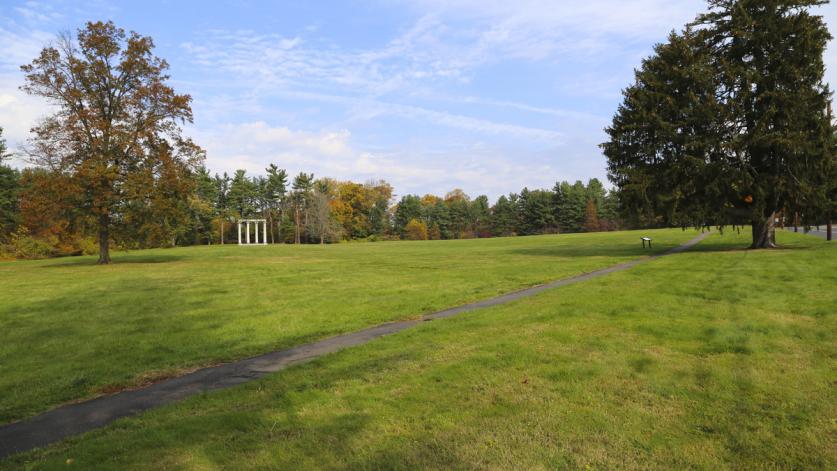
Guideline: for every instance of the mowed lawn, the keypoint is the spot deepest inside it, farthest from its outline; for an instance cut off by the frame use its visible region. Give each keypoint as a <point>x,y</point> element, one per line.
<point>717,358</point>
<point>70,329</point>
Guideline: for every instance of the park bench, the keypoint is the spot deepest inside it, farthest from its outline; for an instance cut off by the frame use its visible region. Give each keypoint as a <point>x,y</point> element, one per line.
<point>644,240</point>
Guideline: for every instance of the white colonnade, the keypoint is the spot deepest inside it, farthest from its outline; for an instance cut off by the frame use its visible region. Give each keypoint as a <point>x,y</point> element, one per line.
<point>256,223</point>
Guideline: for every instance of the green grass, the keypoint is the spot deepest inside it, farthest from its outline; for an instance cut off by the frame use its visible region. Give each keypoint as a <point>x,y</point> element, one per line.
<point>711,359</point>
<point>71,330</point>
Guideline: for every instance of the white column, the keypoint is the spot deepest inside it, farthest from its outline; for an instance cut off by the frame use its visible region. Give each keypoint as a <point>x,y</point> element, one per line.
<point>248,232</point>
<point>264,226</point>
<point>239,232</point>
<point>257,232</point>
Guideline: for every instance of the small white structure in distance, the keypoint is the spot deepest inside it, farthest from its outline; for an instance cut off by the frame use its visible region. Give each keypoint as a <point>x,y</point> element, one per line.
<point>256,223</point>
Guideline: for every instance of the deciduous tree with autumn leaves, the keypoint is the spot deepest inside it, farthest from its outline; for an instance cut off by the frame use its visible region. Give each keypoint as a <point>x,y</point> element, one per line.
<point>116,129</point>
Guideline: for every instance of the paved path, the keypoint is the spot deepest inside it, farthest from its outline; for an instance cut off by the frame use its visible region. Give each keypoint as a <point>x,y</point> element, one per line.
<point>821,233</point>
<point>73,419</point>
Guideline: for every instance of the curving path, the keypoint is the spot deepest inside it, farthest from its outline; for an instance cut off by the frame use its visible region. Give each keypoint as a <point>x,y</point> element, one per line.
<point>73,419</point>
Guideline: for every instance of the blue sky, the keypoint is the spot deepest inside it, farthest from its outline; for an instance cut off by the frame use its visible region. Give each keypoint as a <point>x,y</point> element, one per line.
<point>484,95</point>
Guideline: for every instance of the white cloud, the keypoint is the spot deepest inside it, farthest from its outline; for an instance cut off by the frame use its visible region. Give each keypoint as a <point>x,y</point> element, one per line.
<point>369,108</point>
<point>476,168</point>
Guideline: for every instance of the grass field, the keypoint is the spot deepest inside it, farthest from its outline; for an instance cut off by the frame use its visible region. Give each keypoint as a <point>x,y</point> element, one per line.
<point>70,329</point>
<point>711,359</point>
<point>716,358</point>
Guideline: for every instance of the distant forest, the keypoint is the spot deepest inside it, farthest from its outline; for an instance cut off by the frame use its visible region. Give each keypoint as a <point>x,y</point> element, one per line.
<point>41,215</point>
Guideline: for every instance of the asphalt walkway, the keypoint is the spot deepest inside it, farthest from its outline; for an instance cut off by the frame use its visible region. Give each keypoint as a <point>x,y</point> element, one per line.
<point>821,233</point>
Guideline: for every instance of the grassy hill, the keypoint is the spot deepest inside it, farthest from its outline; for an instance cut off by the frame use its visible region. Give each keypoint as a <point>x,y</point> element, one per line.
<point>716,358</point>
<point>70,329</point>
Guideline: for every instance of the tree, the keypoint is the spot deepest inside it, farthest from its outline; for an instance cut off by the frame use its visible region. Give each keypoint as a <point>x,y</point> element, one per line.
<point>415,230</point>
<point>322,225</point>
<point>275,189</point>
<point>727,122</point>
<point>591,217</point>
<point>439,215</point>
<point>596,192</point>
<point>459,211</point>
<point>157,212</point>
<point>609,212</point>
<point>504,217</point>
<point>481,216</point>
<point>572,205</point>
<point>222,203</point>
<point>114,112</point>
<point>408,208</point>
<point>49,205</point>
<point>242,195</point>
<point>202,205</point>
<point>537,216</point>
<point>380,195</point>
<point>300,198</point>
<point>9,188</point>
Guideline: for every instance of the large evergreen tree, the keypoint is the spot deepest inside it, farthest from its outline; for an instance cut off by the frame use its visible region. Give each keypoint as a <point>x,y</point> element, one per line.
<point>504,217</point>
<point>303,186</point>
<point>537,214</point>
<point>573,203</point>
<point>242,194</point>
<point>275,188</point>
<point>727,122</point>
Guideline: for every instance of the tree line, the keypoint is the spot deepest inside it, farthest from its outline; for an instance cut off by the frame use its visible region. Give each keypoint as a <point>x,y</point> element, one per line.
<point>40,214</point>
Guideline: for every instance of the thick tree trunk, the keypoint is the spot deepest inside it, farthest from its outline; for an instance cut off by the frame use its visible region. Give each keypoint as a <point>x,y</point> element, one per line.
<point>764,232</point>
<point>104,239</point>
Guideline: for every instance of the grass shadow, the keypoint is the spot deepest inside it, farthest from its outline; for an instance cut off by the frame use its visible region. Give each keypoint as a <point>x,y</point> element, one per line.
<point>117,260</point>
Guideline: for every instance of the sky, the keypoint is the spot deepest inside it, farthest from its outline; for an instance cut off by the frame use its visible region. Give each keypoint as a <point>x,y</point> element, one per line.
<point>489,96</point>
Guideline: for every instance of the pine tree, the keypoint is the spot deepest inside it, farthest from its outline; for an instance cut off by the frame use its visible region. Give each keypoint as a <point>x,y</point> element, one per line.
<point>300,199</point>
<point>222,204</point>
<point>537,215</point>
<point>480,215</point>
<point>727,123</point>
<point>573,204</point>
<point>242,194</point>
<point>504,217</point>
<point>275,189</point>
<point>9,188</point>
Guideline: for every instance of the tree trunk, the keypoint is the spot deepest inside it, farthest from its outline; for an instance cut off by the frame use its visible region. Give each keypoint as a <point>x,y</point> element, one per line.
<point>764,232</point>
<point>279,235</point>
<point>828,229</point>
<point>104,239</point>
<point>296,225</point>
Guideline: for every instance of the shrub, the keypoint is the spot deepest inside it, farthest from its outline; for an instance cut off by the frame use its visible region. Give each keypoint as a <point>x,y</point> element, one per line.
<point>23,245</point>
